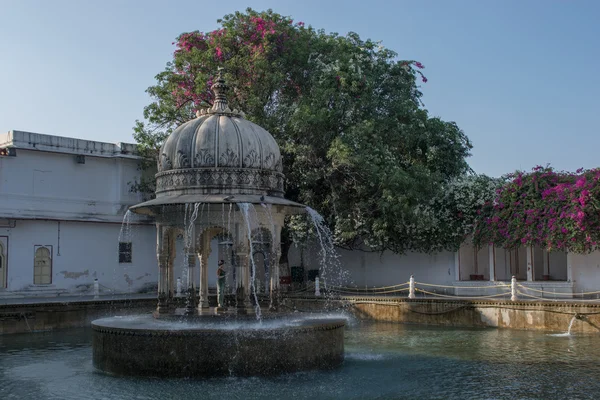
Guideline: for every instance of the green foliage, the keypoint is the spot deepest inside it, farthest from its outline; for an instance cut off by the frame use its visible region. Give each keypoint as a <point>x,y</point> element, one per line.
<point>357,144</point>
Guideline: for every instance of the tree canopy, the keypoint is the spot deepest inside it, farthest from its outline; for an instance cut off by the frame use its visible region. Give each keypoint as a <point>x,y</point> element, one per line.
<point>358,144</point>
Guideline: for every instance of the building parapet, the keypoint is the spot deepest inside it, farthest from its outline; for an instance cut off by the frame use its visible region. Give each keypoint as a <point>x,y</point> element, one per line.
<point>59,144</point>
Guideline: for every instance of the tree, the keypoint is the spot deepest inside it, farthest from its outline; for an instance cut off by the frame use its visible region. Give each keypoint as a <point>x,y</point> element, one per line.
<point>357,143</point>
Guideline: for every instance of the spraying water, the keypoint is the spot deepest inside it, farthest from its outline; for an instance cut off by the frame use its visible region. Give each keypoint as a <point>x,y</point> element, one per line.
<point>244,208</point>
<point>571,325</point>
<point>273,252</point>
<point>568,332</point>
<point>188,239</point>
<point>124,237</point>
<point>125,232</point>
<point>331,270</point>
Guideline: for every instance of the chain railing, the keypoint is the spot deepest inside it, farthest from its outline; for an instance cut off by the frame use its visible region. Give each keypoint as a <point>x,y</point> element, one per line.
<point>513,291</point>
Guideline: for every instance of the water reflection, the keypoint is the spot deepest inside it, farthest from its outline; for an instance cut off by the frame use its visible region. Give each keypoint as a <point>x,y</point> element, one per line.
<point>384,361</point>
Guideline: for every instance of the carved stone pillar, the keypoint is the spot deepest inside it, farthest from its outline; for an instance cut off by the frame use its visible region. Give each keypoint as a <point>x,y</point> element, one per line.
<point>274,283</point>
<point>190,254</point>
<point>170,236</point>
<point>162,255</point>
<point>244,305</point>
<point>203,252</point>
<point>204,279</point>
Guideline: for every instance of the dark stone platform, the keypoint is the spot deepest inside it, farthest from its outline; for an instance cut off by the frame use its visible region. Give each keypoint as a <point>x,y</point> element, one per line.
<point>208,346</point>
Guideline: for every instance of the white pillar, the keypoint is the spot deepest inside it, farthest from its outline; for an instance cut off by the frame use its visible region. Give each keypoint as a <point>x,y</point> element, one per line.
<point>457,265</point>
<point>570,267</point>
<point>492,262</point>
<point>513,288</point>
<point>411,288</point>
<point>529,263</point>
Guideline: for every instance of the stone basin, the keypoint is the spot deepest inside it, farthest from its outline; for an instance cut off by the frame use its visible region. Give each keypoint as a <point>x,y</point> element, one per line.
<point>208,346</point>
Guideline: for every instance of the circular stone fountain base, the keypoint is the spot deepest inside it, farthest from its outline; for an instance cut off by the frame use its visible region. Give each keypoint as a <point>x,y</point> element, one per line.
<point>213,346</point>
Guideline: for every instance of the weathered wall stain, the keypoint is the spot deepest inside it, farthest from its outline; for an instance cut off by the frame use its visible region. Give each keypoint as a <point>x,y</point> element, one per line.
<point>74,275</point>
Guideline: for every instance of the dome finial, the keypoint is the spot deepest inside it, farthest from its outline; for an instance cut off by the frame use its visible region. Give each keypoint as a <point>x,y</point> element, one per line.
<point>219,88</point>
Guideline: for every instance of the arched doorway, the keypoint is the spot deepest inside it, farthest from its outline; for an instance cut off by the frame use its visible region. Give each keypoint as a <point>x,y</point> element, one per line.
<point>42,266</point>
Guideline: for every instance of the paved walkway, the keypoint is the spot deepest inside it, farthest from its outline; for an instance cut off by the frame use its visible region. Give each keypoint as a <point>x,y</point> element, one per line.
<point>71,298</point>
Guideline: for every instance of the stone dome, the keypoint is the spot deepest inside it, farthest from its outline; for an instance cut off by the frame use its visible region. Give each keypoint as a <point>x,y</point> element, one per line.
<point>219,152</point>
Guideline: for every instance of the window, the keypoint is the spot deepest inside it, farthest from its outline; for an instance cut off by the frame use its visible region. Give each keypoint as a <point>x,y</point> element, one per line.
<point>42,265</point>
<point>124,252</point>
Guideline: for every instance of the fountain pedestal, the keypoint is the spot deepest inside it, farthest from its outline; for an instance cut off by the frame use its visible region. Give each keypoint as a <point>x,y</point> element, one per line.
<point>215,346</point>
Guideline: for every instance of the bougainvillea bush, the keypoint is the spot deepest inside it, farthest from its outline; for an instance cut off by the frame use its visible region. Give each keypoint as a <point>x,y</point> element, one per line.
<point>556,210</point>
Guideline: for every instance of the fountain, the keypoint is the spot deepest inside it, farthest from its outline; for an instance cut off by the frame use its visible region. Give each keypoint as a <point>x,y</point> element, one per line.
<point>219,176</point>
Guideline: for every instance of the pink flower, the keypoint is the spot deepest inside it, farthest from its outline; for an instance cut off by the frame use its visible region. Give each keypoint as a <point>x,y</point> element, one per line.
<point>419,65</point>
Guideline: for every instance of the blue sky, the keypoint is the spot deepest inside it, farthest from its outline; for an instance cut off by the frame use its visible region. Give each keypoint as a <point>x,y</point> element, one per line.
<point>519,77</point>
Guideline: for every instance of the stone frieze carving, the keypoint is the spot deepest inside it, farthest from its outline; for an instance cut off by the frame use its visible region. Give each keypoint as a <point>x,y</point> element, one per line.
<point>205,179</point>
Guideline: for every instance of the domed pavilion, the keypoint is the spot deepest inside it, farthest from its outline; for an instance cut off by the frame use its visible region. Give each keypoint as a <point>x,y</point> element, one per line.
<point>219,175</point>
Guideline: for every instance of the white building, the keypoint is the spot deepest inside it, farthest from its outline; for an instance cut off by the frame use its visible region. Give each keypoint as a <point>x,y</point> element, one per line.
<point>63,200</point>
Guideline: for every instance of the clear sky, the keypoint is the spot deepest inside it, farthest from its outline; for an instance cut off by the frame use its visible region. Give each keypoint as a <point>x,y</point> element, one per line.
<point>520,77</point>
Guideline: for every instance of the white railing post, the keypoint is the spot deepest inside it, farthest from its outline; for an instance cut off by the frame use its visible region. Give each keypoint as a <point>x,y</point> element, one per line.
<point>411,288</point>
<point>96,288</point>
<point>317,288</point>
<point>513,288</point>
<point>179,286</point>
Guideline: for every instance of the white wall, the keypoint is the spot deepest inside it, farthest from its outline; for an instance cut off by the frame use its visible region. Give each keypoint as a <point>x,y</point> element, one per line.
<point>37,184</point>
<point>585,271</point>
<point>377,269</point>
<point>557,261</point>
<point>502,264</point>
<point>81,252</point>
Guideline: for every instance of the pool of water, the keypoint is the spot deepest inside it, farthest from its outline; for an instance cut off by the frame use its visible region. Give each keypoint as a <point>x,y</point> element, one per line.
<point>383,361</point>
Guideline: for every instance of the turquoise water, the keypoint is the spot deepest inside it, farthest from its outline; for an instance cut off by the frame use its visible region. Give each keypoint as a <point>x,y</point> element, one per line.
<point>383,361</point>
